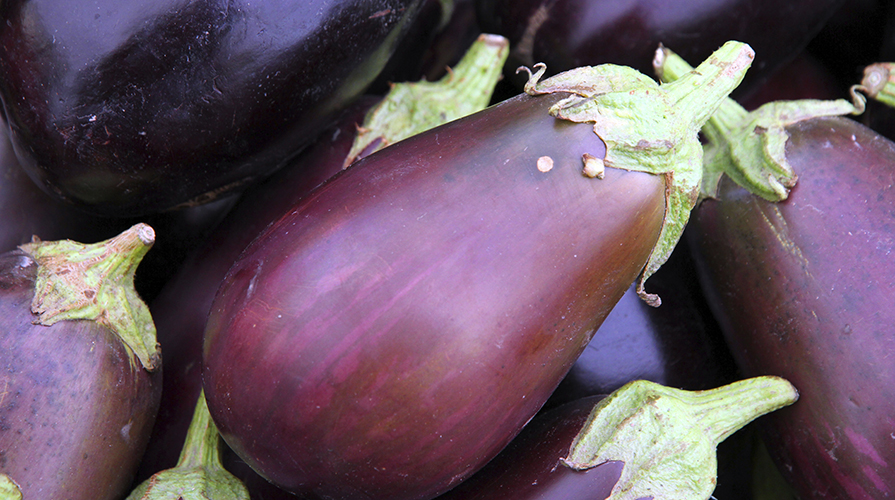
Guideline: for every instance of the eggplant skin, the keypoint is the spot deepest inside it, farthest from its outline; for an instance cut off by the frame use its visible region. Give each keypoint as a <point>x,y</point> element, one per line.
<point>75,415</point>
<point>125,109</point>
<point>566,34</point>
<point>393,333</point>
<point>180,310</point>
<point>529,468</point>
<point>802,289</point>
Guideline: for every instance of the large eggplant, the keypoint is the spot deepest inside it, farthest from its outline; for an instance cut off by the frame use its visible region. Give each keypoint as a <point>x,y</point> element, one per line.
<point>393,332</point>
<point>26,211</point>
<point>131,108</point>
<point>802,289</point>
<point>566,34</point>
<point>183,305</point>
<point>80,368</point>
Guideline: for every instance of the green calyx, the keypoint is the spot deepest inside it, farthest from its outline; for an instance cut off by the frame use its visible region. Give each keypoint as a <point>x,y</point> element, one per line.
<point>199,473</point>
<point>667,437</point>
<point>411,108</point>
<point>95,282</point>
<point>879,83</point>
<point>9,490</point>
<point>648,127</point>
<point>750,147</point>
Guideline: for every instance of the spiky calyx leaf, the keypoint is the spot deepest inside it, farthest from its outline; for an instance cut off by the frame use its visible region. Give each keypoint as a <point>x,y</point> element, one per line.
<point>648,127</point>
<point>96,282</point>
<point>199,474</point>
<point>9,490</point>
<point>667,438</point>
<point>411,108</point>
<point>750,147</point>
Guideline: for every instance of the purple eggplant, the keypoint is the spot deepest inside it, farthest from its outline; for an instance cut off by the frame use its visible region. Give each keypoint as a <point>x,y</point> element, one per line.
<point>643,441</point>
<point>131,109</point>
<point>566,34</point>
<point>802,289</point>
<point>81,370</point>
<point>182,307</point>
<point>392,333</point>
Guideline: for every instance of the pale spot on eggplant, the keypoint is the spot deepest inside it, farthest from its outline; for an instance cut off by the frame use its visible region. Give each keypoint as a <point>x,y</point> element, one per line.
<point>593,166</point>
<point>545,164</point>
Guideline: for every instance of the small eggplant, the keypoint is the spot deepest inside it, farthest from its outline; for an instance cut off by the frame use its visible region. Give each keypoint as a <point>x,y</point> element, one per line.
<point>370,124</point>
<point>392,333</point>
<point>80,367</point>
<point>128,109</point>
<point>802,289</point>
<point>566,34</point>
<point>644,440</point>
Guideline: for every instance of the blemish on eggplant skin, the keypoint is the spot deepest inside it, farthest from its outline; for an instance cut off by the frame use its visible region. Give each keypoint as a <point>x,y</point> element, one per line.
<point>545,164</point>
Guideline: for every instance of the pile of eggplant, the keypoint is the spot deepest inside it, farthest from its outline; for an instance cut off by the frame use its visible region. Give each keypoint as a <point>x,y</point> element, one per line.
<point>453,249</point>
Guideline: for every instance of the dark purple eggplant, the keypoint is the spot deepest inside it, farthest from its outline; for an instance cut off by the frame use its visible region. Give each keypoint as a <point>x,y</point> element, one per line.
<point>566,34</point>
<point>81,371</point>
<point>392,333</point>
<point>182,307</point>
<point>130,109</point>
<point>643,441</point>
<point>802,289</point>
<point>26,211</point>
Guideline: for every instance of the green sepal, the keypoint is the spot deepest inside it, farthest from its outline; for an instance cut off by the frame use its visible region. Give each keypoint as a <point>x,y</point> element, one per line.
<point>95,282</point>
<point>650,127</point>
<point>667,438</point>
<point>879,83</point>
<point>750,147</point>
<point>411,108</point>
<point>199,473</point>
<point>9,490</point>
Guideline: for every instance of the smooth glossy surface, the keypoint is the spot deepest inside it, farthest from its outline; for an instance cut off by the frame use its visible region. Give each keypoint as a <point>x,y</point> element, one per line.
<point>803,290</point>
<point>566,34</point>
<point>129,108</point>
<point>398,328</point>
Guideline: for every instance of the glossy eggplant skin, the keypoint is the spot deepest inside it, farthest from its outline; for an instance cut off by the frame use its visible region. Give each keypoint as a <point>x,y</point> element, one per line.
<point>803,289</point>
<point>529,468</point>
<point>392,333</point>
<point>567,34</point>
<point>26,212</point>
<point>125,109</point>
<point>180,310</point>
<point>75,412</point>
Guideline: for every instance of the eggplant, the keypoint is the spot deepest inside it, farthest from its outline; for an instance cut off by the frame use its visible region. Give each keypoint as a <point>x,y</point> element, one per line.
<point>369,124</point>
<point>393,332</point>
<point>566,34</point>
<point>81,370</point>
<point>644,440</point>
<point>806,296</point>
<point>127,110</point>
<point>802,289</point>
<point>26,211</point>
<point>678,345</point>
